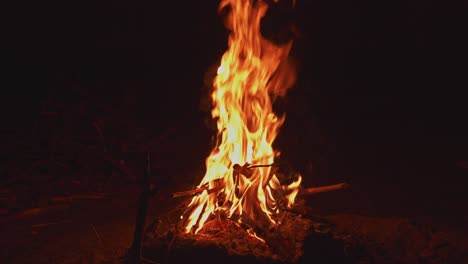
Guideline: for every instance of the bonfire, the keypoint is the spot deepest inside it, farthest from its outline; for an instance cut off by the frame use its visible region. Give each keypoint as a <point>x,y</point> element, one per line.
<point>244,203</point>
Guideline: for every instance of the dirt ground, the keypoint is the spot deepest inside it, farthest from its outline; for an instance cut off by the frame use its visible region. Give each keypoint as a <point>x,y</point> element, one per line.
<point>70,184</point>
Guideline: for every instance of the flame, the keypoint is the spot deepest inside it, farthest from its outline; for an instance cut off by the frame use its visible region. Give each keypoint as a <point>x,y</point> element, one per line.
<point>252,73</point>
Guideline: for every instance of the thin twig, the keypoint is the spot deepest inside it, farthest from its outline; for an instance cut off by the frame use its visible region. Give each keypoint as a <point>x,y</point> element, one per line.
<point>97,235</point>
<point>218,185</point>
<point>189,192</point>
<point>171,243</point>
<point>262,165</point>
<point>39,210</point>
<point>143,259</point>
<point>51,223</point>
<point>180,206</point>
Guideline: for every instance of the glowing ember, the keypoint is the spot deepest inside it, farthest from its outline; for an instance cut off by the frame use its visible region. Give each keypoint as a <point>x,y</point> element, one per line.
<point>253,72</point>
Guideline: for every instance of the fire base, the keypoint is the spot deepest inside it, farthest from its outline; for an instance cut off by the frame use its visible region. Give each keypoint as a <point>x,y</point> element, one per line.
<point>300,239</point>
<point>224,240</point>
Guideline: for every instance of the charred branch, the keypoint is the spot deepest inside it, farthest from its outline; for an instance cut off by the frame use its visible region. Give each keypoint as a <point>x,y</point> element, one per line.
<point>205,187</point>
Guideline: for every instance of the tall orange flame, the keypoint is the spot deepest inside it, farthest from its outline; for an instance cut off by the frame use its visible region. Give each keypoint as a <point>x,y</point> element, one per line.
<point>252,73</point>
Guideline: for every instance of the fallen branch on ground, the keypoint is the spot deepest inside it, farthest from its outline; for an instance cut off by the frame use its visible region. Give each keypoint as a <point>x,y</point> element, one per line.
<point>35,211</point>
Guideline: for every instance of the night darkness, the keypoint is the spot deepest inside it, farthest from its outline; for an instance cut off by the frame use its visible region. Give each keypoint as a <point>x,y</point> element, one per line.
<point>379,101</point>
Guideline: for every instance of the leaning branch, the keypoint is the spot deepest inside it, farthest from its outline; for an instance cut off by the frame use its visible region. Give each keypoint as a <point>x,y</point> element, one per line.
<point>205,187</point>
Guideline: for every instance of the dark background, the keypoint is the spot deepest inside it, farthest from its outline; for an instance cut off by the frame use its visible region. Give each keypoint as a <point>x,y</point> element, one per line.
<point>379,100</point>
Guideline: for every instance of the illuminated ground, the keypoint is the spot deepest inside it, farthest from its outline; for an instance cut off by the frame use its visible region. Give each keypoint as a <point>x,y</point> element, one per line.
<point>88,90</point>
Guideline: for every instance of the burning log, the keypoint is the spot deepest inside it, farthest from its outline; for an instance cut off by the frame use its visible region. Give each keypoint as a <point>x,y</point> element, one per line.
<point>237,170</point>
<point>252,74</point>
<point>242,208</point>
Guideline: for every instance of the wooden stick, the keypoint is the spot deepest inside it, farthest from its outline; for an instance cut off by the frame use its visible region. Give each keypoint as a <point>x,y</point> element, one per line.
<point>327,188</point>
<point>218,185</point>
<point>189,192</point>
<point>197,191</point>
<point>134,253</point>
<point>308,191</point>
